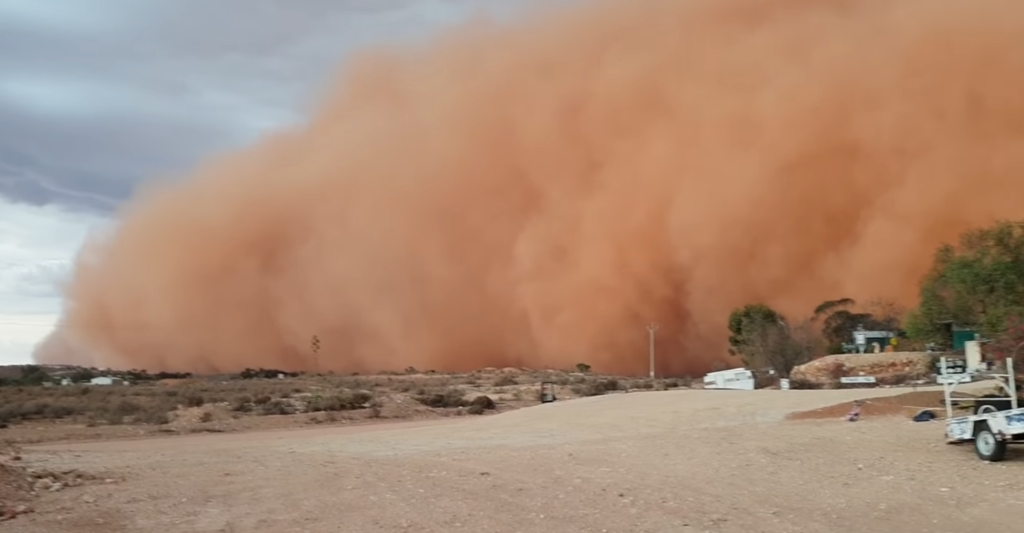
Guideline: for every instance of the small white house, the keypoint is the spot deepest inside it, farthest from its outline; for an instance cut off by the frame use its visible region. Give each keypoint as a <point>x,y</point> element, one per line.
<point>107,380</point>
<point>736,378</point>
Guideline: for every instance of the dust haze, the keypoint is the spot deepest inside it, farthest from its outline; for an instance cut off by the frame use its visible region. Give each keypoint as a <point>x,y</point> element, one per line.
<point>533,194</point>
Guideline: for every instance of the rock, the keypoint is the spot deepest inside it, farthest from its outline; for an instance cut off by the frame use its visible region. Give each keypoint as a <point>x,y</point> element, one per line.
<point>43,484</point>
<point>888,368</point>
<point>89,499</point>
<point>56,487</point>
<point>10,513</point>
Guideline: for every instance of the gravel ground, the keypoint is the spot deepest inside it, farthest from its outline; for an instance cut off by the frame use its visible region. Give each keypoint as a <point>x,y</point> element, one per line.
<point>679,461</point>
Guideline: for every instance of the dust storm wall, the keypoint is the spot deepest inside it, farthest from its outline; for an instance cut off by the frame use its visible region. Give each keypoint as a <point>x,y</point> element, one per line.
<point>535,193</point>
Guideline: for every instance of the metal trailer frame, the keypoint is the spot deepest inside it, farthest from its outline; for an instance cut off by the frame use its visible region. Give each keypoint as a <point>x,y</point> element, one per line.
<point>990,429</point>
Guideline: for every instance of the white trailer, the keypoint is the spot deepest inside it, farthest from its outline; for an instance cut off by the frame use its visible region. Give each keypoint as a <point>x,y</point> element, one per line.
<point>736,379</point>
<point>996,422</point>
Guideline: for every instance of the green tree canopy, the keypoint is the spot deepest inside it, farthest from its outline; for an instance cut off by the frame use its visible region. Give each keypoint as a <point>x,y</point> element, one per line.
<point>762,338</point>
<point>979,282</point>
<point>743,319</point>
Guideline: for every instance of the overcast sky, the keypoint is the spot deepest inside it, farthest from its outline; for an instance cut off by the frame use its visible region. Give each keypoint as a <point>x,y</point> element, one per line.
<point>96,95</point>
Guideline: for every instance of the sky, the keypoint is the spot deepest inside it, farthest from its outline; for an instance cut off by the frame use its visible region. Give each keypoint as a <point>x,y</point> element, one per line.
<point>97,96</point>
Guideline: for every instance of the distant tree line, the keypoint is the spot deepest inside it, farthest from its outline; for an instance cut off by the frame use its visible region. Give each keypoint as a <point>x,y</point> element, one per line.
<point>34,375</point>
<point>265,373</point>
<point>28,375</point>
<point>977,284</point>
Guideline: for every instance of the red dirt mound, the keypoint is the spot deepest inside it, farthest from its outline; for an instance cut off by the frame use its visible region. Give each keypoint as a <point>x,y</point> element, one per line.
<point>908,404</point>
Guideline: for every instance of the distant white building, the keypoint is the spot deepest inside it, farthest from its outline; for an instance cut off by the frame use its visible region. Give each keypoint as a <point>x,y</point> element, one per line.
<point>107,380</point>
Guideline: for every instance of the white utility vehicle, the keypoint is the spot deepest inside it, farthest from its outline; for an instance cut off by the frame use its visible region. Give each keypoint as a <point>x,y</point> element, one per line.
<point>996,422</point>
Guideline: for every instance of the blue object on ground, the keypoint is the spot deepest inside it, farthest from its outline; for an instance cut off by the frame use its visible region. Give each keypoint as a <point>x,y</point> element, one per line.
<point>924,416</point>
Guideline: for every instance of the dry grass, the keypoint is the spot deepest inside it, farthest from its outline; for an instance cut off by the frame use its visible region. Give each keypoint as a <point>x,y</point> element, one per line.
<point>322,398</point>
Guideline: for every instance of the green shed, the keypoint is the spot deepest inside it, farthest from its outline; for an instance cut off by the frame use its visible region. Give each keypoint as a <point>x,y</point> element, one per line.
<point>958,334</point>
<point>961,335</point>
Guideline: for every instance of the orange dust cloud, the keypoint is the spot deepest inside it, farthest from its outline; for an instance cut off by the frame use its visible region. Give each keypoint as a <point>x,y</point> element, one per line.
<point>534,193</point>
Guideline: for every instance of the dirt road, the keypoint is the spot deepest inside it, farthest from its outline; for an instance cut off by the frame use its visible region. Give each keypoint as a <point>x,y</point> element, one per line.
<point>680,461</point>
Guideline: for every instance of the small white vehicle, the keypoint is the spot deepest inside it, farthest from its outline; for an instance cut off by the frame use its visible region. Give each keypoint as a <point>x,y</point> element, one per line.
<point>996,421</point>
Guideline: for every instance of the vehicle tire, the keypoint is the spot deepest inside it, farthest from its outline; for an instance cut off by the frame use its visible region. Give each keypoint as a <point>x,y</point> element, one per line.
<point>986,404</point>
<point>987,446</point>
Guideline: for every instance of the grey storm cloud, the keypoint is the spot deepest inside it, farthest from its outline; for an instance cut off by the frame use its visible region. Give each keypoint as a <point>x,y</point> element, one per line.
<point>97,95</point>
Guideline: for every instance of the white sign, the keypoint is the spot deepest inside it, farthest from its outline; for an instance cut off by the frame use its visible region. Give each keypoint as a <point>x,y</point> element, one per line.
<point>951,366</point>
<point>857,379</point>
<point>783,384</point>
<point>952,378</point>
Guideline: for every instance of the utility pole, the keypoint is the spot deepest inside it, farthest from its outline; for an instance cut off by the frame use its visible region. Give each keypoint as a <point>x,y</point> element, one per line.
<point>314,346</point>
<point>651,328</point>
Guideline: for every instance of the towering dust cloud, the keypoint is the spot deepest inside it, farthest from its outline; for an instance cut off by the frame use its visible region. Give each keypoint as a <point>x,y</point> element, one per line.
<point>535,194</point>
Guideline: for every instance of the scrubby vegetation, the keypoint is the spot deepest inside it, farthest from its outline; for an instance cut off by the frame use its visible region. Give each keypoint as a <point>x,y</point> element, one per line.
<point>33,394</point>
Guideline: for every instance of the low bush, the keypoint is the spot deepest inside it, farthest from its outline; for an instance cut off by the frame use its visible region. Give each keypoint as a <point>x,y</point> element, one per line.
<point>802,384</point>
<point>596,387</point>
<point>344,401</point>
<point>484,402</point>
<point>443,399</point>
<point>505,380</point>
<point>276,407</point>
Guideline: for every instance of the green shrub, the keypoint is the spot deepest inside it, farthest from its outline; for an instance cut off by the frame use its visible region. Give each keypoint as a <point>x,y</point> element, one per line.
<point>443,399</point>
<point>276,407</point>
<point>596,387</point>
<point>345,401</point>
<point>505,381</point>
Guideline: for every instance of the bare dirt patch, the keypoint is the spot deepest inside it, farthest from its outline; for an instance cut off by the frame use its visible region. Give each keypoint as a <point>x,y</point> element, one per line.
<point>15,484</point>
<point>680,461</point>
<point>22,483</point>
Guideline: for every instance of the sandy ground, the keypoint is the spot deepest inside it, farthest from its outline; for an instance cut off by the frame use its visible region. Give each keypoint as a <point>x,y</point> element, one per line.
<point>678,461</point>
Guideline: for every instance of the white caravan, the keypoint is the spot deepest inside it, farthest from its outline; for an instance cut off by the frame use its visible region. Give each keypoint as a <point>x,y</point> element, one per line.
<point>736,379</point>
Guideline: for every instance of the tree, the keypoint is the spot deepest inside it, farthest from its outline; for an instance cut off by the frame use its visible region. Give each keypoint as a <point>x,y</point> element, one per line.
<point>748,316</point>
<point>33,375</point>
<point>887,314</point>
<point>829,307</point>
<point>1010,342</point>
<point>979,283</point>
<point>763,338</point>
<point>838,320</point>
<point>81,375</point>
<point>777,345</point>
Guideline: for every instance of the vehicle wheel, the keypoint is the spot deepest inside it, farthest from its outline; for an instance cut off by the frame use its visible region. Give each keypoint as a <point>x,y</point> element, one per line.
<point>987,405</point>
<point>987,446</point>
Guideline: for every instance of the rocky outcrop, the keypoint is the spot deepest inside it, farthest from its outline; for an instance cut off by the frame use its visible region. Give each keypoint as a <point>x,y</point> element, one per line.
<point>887,368</point>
